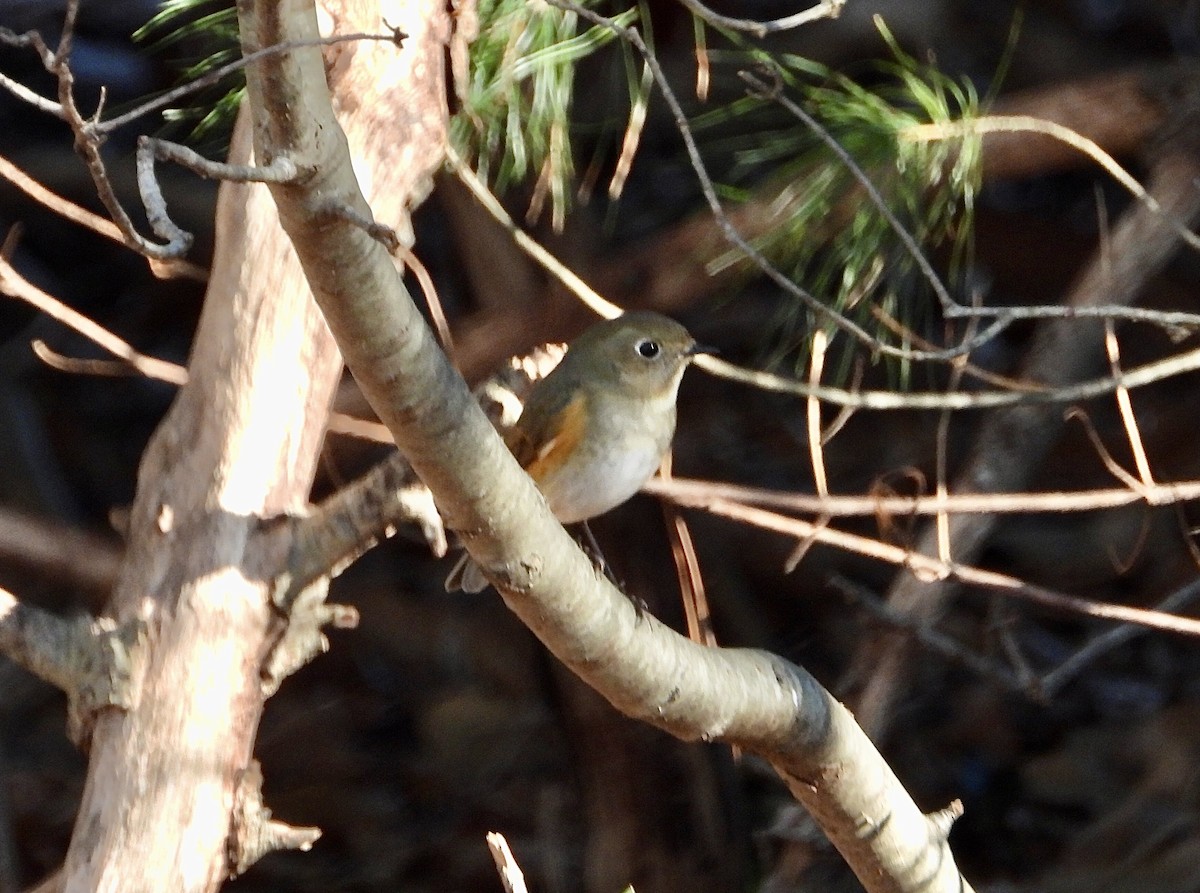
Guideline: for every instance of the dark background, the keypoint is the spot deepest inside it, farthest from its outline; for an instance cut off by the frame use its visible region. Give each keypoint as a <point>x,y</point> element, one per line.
<point>440,718</point>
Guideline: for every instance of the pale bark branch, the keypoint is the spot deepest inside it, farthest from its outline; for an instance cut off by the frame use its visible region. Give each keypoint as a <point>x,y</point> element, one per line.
<point>207,551</point>
<point>361,514</point>
<point>752,698</point>
<point>85,658</point>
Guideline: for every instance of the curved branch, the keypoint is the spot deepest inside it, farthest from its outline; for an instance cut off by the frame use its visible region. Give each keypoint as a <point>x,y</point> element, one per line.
<point>751,698</point>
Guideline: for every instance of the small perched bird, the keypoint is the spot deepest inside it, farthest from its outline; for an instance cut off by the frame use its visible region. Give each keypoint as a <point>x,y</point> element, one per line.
<point>598,426</point>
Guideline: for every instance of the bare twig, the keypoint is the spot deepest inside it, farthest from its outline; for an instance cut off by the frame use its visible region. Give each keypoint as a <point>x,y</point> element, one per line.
<point>735,238</point>
<point>280,170</point>
<point>827,9</point>
<point>1028,392</point>
<point>101,129</point>
<point>433,302</point>
<point>1125,405</point>
<point>942,520</point>
<point>131,361</point>
<point>217,74</point>
<point>254,833</point>
<point>1042,688</point>
<point>935,567</point>
<point>97,224</point>
<point>952,503</point>
<point>602,308</point>
<point>1012,123</point>
<point>928,637</point>
<point>380,232</point>
<point>1054,681</point>
<point>687,568</point>
<point>1140,376</point>
<point>1106,457</point>
<point>358,516</point>
<point>14,284</point>
<point>30,40</point>
<point>816,452</point>
<point>57,203</point>
<point>1001,621</point>
<point>91,132</point>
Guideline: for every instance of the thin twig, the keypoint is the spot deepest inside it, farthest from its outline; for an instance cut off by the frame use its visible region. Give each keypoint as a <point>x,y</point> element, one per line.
<point>966,503</point>
<point>483,195</point>
<point>942,521</point>
<point>97,224</point>
<point>380,232</point>
<point>56,203</point>
<point>150,149</point>
<point>877,199</point>
<point>14,284</point>
<point>1001,620</point>
<point>687,568</point>
<point>97,368</point>
<point>217,74</point>
<point>1125,405</point>
<point>1042,688</point>
<point>87,143</point>
<point>1010,123</point>
<point>930,638</point>
<point>915,562</point>
<point>855,399</point>
<point>433,301</point>
<point>91,132</point>
<point>133,361</point>
<point>1141,376</point>
<point>31,40</point>
<point>816,453</point>
<point>813,413</point>
<point>1054,681</point>
<point>511,875</point>
<point>827,9</point>
<point>734,236</point>
<point>1106,458</point>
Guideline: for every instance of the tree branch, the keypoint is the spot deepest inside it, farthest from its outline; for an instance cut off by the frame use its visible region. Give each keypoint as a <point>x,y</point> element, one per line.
<point>88,659</point>
<point>752,698</point>
<point>206,549</point>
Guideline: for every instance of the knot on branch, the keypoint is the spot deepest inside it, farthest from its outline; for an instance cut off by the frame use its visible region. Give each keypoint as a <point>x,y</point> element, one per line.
<point>101,670</point>
<point>253,833</point>
<point>302,639</point>
<point>943,820</point>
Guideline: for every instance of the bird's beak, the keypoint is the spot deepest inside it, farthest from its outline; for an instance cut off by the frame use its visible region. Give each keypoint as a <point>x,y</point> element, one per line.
<point>702,349</point>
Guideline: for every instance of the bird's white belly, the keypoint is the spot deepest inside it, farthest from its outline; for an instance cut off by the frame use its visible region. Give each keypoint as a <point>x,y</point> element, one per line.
<point>576,494</point>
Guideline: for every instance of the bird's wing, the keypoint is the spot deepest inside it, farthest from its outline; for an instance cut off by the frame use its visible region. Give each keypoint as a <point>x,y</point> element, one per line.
<point>544,438</point>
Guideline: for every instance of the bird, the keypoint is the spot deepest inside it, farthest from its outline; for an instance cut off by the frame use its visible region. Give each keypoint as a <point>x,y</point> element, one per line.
<point>595,429</point>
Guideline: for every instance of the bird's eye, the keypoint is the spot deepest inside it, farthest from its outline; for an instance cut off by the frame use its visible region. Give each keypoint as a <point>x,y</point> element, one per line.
<point>648,348</point>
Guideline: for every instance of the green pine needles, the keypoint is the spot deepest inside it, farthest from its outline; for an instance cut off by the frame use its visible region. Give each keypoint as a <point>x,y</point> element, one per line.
<point>828,234</point>
<point>199,36</point>
<point>514,123</point>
